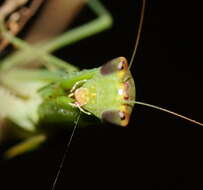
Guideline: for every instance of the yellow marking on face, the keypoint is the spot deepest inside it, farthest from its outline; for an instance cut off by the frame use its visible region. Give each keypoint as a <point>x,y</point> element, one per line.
<point>121,74</point>
<point>124,108</point>
<point>93,95</point>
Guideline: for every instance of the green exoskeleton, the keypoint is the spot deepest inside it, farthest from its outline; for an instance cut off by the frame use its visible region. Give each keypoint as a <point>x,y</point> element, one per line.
<point>59,92</point>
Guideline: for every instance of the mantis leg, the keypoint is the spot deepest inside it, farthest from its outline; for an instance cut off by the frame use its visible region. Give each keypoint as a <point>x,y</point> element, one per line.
<point>29,52</point>
<point>25,146</point>
<point>101,23</point>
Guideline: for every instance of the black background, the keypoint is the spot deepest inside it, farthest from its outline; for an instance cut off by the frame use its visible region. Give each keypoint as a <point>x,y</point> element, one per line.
<point>157,150</point>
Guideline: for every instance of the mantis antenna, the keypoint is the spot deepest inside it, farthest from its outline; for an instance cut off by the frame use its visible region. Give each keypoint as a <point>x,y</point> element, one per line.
<point>131,61</point>
<point>138,33</point>
<point>74,129</point>
<point>65,152</point>
<point>167,111</point>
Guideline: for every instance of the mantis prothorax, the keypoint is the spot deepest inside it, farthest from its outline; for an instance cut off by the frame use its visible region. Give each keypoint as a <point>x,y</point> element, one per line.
<point>59,93</point>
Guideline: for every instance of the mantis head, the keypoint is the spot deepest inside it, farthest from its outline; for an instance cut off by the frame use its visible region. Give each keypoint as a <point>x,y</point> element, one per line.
<point>108,93</point>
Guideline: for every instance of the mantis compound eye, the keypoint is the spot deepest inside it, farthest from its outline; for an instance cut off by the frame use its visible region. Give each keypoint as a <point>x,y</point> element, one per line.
<point>114,65</point>
<point>116,117</point>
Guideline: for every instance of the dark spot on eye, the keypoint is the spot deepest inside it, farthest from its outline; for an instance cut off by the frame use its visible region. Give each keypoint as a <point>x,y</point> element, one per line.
<point>122,115</point>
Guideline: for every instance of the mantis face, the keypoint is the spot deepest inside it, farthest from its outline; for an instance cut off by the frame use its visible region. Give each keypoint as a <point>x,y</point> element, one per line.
<point>108,93</point>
